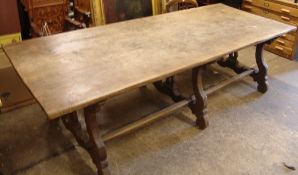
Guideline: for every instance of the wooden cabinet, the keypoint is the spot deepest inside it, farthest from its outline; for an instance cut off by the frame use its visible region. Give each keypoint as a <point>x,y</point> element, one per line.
<point>282,11</point>
<point>51,12</point>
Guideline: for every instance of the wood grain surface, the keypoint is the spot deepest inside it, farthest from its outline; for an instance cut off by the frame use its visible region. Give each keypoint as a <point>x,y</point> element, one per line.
<point>70,71</point>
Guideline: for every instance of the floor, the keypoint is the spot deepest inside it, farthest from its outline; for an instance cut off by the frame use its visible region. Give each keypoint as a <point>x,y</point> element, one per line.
<point>250,133</point>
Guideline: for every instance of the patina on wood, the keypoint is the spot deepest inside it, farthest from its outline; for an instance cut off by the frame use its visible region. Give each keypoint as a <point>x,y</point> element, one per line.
<point>70,71</point>
<point>76,70</point>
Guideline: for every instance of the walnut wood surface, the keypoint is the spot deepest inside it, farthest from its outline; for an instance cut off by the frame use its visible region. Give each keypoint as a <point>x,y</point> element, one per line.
<point>70,71</point>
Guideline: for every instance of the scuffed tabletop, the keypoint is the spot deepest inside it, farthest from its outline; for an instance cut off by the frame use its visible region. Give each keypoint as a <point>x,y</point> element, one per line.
<point>70,71</point>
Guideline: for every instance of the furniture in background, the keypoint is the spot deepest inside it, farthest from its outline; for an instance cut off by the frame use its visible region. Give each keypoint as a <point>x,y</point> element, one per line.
<point>55,16</point>
<point>110,11</point>
<point>120,10</point>
<point>207,2</point>
<point>75,88</point>
<point>174,5</point>
<point>79,15</point>
<point>46,15</point>
<point>283,11</point>
<point>10,30</point>
<point>82,12</point>
<point>232,3</point>
<point>13,92</point>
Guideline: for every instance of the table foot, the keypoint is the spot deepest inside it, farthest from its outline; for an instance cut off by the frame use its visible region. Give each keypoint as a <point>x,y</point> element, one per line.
<point>199,104</point>
<point>91,139</point>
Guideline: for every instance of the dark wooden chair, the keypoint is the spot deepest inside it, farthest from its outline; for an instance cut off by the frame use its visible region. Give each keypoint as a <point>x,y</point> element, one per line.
<point>81,17</point>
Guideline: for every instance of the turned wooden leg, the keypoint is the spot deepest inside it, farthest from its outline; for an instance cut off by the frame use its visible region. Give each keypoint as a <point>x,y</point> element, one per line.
<point>91,139</point>
<point>72,123</point>
<point>99,153</point>
<point>199,105</point>
<point>261,75</point>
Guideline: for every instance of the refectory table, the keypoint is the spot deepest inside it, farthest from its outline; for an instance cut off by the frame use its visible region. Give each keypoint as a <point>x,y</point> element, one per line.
<point>83,69</point>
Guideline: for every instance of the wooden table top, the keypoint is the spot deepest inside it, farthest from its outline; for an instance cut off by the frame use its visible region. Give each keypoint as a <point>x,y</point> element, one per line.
<point>69,71</point>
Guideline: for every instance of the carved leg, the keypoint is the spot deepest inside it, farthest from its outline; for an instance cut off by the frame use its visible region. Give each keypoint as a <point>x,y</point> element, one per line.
<point>169,88</point>
<point>90,140</point>
<point>199,105</point>
<point>72,123</point>
<point>261,75</point>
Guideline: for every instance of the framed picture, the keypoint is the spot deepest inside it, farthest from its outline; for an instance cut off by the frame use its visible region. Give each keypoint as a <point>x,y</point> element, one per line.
<point>120,10</point>
<point>109,11</point>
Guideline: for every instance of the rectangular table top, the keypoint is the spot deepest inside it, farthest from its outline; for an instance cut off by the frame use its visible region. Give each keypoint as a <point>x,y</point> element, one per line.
<point>69,71</point>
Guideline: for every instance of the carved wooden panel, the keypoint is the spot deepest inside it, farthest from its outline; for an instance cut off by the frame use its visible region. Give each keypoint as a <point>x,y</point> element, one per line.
<point>41,3</point>
<point>54,16</point>
<point>52,12</point>
<point>46,2</point>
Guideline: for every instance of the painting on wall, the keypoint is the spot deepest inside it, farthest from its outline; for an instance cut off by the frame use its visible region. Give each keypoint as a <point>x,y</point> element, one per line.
<point>120,10</point>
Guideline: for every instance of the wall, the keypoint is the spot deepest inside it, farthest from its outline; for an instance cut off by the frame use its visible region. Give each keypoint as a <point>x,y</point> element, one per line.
<point>9,17</point>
